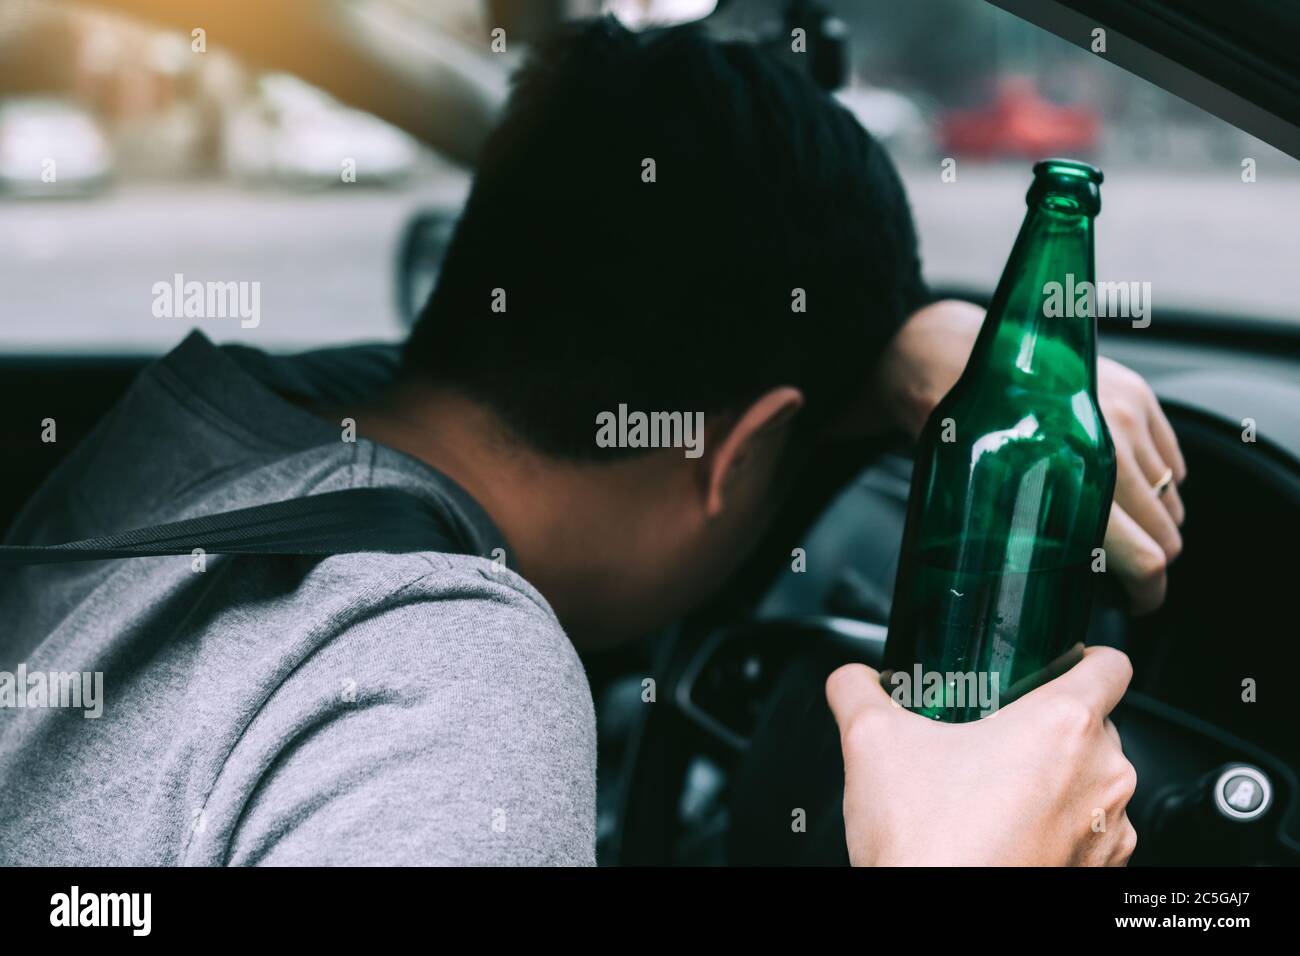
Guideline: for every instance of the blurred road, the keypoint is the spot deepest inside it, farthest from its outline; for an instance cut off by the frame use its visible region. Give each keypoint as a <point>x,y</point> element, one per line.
<point>1205,241</point>
<point>78,274</point>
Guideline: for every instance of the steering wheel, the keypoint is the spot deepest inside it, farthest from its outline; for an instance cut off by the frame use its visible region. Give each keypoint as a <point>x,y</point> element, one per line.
<point>741,724</point>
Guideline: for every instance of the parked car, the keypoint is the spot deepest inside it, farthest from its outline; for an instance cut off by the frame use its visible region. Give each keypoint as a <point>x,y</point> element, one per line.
<point>894,118</point>
<point>1020,123</point>
<point>51,147</point>
<point>290,133</point>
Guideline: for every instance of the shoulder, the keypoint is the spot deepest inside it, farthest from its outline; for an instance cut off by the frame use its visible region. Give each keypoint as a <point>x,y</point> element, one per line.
<point>455,610</point>
<point>446,718</point>
<point>451,627</point>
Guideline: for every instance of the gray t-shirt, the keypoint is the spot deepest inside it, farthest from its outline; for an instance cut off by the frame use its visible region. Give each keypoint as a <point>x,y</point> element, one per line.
<point>356,709</point>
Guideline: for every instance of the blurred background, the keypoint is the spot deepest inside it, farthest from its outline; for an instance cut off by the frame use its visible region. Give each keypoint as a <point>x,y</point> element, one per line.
<point>169,160</point>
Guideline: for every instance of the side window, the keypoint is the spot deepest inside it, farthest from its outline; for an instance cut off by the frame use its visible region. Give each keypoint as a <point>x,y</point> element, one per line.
<point>150,182</point>
<point>1202,211</point>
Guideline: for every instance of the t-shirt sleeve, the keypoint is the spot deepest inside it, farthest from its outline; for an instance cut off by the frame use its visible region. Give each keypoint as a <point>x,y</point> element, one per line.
<point>913,292</point>
<point>439,732</point>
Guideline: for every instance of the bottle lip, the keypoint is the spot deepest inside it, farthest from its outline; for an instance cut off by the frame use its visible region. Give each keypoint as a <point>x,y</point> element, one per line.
<point>1066,185</point>
<point>1060,166</point>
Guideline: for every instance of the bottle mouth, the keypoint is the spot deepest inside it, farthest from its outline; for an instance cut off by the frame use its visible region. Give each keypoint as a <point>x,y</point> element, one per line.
<point>1066,185</point>
<point>1069,167</point>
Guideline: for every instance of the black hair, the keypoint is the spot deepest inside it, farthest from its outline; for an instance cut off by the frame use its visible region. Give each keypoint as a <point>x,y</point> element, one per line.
<point>676,294</point>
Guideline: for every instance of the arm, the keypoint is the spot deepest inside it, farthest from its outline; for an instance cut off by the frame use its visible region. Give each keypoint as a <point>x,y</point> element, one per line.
<point>439,732</point>
<point>924,360</point>
<point>1045,781</point>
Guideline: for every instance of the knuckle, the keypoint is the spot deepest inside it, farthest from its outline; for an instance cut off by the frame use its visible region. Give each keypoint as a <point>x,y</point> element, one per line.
<point>1127,842</point>
<point>1072,719</point>
<point>861,733</point>
<point>1173,547</point>
<point>1122,413</point>
<point>1149,565</point>
<point>1125,783</point>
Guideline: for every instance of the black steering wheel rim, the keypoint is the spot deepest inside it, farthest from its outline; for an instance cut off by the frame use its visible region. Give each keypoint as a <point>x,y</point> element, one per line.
<point>679,728</point>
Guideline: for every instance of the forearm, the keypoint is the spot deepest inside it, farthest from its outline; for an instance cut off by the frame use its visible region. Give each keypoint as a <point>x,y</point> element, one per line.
<point>918,367</point>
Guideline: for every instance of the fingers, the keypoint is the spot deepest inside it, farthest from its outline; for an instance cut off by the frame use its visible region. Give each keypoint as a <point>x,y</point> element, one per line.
<point>1153,468</point>
<point>1141,522</point>
<point>1134,494</point>
<point>1162,433</point>
<point>1137,560</point>
<point>854,690</point>
<point>1098,681</point>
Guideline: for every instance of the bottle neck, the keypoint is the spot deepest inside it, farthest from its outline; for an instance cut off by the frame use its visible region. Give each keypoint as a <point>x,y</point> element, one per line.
<point>1041,328</point>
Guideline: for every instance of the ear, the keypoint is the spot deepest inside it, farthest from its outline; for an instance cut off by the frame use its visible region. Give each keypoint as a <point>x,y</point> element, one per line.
<point>765,419</point>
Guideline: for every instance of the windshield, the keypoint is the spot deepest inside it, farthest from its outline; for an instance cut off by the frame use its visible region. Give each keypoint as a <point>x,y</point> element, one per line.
<point>131,161</point>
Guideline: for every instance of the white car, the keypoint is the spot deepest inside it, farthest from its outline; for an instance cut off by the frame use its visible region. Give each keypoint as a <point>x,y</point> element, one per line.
<point>891,117</point>
<point>293,134</point>
<point>51,147</point>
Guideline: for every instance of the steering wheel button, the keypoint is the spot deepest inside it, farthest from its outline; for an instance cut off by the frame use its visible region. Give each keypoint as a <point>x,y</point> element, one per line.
<point>1242,793</point>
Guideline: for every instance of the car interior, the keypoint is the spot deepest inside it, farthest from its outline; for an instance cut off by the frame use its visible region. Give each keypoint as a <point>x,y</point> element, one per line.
<point>714,729</point>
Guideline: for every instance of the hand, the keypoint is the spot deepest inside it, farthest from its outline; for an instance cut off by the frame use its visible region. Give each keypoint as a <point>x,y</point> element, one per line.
<point>1142,537</point>
<point>1029,786</point>
<point>925,360</point>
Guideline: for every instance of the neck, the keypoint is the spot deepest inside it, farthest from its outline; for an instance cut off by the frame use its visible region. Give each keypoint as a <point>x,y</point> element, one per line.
<point>563,521</point>
<point>1044,336</point>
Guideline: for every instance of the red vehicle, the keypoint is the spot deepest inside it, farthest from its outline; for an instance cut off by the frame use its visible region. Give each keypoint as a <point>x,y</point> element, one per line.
<point>1020,123</point>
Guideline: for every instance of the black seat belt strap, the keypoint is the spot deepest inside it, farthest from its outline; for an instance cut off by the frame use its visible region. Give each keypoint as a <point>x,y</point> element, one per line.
<point>337,522</point>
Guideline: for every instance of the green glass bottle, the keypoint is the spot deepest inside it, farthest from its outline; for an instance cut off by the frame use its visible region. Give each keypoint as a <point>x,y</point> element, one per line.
<point>1013,477</point>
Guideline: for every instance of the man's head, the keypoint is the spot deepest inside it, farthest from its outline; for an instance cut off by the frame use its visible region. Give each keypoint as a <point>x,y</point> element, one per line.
<point>667,224</point>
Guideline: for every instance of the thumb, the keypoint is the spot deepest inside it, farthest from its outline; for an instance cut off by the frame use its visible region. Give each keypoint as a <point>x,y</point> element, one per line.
<point>852,691</point>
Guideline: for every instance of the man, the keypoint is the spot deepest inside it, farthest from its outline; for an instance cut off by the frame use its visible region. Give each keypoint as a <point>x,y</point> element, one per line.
<point>639,227</point>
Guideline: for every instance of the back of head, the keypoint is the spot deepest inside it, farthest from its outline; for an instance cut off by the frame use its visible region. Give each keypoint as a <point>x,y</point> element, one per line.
<point>648,207</point>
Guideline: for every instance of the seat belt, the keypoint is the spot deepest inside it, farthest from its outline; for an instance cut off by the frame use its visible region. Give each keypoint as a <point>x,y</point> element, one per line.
<point>338,522</point>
